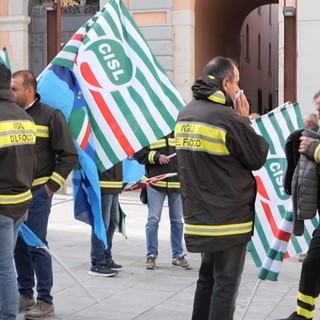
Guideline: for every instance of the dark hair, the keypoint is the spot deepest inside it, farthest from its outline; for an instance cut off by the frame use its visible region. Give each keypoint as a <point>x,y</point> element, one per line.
<point>220,68</point>
<point>5,77</point>
<point>29,78</point>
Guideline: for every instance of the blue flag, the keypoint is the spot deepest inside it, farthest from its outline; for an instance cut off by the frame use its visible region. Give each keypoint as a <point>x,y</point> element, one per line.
<point>59,88</point>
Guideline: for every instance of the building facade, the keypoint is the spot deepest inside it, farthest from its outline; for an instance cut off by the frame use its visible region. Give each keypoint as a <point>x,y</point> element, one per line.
<point>183,34</point>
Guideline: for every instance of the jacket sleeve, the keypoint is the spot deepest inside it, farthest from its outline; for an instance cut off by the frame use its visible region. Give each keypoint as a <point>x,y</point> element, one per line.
<point>64,148</point>
<point>245,144</point>
<point>146,156</point>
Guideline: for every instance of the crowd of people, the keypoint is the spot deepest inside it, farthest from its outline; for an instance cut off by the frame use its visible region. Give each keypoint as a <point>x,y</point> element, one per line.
<point>213,150</point>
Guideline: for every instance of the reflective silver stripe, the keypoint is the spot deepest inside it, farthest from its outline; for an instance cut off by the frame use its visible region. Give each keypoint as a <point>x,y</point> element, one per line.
<point>216,231</point>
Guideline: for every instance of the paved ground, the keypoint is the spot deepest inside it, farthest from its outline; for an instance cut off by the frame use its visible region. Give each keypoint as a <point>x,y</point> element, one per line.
<point>136,293</point>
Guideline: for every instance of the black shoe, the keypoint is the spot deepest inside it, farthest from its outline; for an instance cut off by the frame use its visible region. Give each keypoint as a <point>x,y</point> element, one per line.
<point>114,266</point>
<point>294,316</point>
<point>102,270</point>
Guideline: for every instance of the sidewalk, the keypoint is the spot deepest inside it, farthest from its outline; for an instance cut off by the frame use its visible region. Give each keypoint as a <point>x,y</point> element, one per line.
<point>136,293</point>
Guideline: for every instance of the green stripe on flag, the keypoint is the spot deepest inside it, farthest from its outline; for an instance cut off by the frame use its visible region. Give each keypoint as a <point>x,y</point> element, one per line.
<point>136,97</point>
<point>63,62</point>
<point>131,119</point>
<point>158,103</point>
<point>263,239</point>
<point>101,137</point>
<point>297,110</point>
<point>287,119</point>
<point>107,17</point>
<point>150,65</point>
<point>265,134</point>
<point>277,129</point>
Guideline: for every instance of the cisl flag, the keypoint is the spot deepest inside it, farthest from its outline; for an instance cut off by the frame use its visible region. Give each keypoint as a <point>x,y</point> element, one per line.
<point>115,96</point>
<point>272,240</point>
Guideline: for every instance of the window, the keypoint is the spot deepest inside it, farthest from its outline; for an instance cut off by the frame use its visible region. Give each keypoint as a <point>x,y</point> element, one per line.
<point>259,101</point>
<point>270,15</point>
<point>259,11</point>
<point>247,57</point>
<point>269,61</point>
<point>270,101</point>
<point>259,52</point>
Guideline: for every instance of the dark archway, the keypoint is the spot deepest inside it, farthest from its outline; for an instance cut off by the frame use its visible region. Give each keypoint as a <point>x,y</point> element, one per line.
<point>217,28</point>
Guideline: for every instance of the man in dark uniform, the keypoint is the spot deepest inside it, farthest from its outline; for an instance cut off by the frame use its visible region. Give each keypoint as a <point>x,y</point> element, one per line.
<point>56,157</point>
<point>217,149</point>
<point>18,165</point>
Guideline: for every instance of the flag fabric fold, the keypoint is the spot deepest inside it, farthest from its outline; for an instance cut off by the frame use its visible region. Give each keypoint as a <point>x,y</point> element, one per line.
<point>4,57</point>
<point>273,239</point>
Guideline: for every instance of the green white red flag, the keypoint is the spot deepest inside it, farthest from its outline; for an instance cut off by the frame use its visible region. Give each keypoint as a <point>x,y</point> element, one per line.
<point>272,240</point>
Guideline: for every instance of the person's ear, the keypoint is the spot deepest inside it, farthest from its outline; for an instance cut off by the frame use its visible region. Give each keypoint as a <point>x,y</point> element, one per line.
<point>225,82</point>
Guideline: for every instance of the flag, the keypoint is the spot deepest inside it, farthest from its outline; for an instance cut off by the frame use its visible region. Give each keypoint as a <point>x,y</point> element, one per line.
<point>272,240</point>
<point>115,96</point>
<point>4,57</point>
<point>145,182</point>
<point>29,237</point>
<point>132,170</point>
<point>131,102</point>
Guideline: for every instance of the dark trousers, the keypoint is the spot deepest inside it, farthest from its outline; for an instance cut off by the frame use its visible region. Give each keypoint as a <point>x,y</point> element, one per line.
<point>217,287</point>
<point>309,286</point>
<point>32,261</point>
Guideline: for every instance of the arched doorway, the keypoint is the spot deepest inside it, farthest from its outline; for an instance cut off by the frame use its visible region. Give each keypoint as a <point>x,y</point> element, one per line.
<point>219,31</point>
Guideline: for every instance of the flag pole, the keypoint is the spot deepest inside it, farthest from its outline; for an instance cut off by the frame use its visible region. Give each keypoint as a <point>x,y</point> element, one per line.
<point>250,299</point>
<point>70,273</point>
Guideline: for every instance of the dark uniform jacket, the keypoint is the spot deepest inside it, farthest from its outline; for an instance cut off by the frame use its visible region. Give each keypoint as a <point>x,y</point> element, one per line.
<point>56,151</point>
<point>149,156</point>
<point>17,157</point>
<point>217,150</point>
<point>111,180</point>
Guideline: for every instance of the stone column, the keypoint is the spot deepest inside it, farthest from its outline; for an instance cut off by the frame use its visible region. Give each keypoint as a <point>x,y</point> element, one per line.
<point>183,20</point>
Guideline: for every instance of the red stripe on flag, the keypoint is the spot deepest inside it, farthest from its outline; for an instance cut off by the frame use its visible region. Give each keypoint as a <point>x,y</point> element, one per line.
<point>85,139</point>
<point>77,36</point>
<point>261,189</point>
<point>268,213</point>
<point>113,124</point>
<point>283,235</point>
<point>88,75</point>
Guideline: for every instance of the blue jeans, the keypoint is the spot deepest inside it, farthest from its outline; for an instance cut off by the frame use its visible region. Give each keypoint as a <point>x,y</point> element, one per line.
<point>110,216</point>
<point>218,283</point>
<point>9,299</point>
<point>155,204</point>
<point>35,261</point>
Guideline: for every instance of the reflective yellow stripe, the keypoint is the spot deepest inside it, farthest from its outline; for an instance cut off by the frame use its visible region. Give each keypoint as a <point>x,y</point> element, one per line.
<point>42,131</point>
<point>218,97</point>
<point>316,154</point>
<point>57,178</point>
<point>305,313</point>
<point>17,133</point>
<point>39,181</point>
<point>307,299</point>
<point>201,137</point>
<point>166,184</point>
<point>111,184</point>
<point>15,199</point>
<point>161,143</point>
<point>216,231</point>
<point>151,156</point>
<point>172,142</point>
